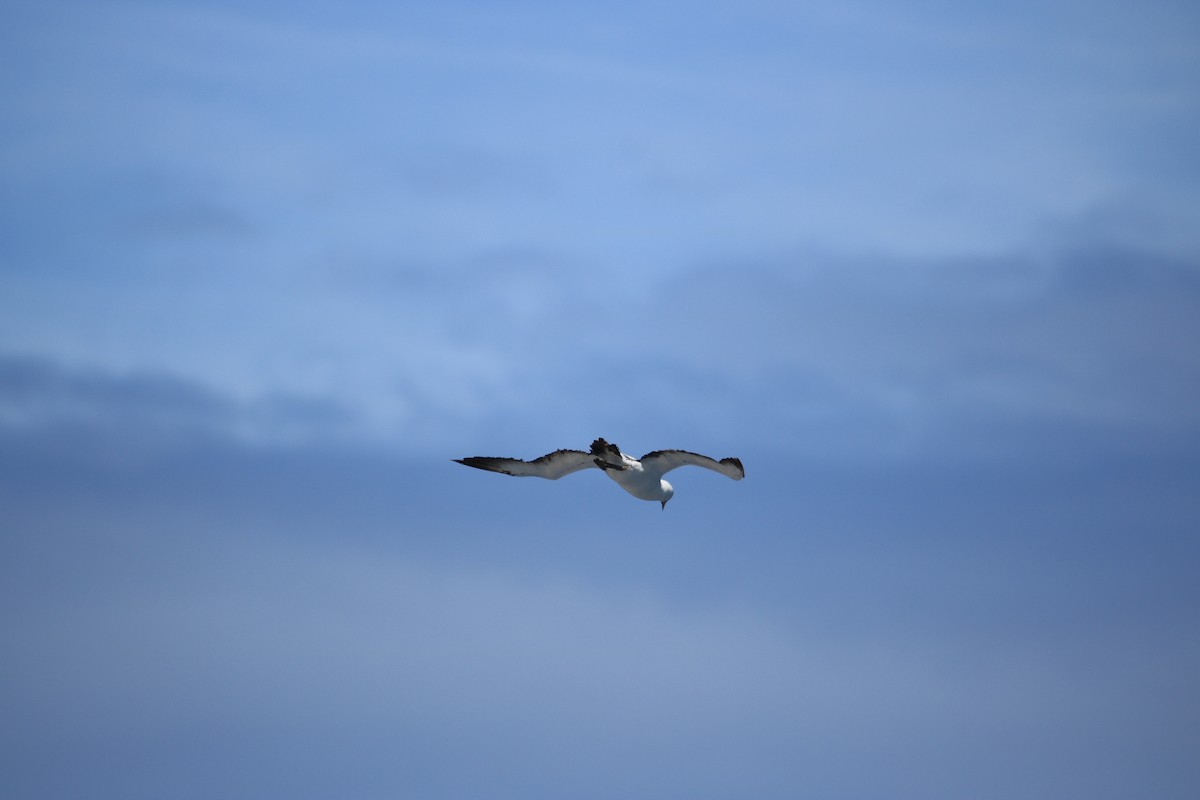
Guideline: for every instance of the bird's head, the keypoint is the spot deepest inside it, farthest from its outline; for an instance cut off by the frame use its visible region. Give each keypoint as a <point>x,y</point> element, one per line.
<point>667,493</point>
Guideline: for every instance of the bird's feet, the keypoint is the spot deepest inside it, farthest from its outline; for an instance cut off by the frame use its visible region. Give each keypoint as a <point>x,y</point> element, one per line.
<point>604,465</point>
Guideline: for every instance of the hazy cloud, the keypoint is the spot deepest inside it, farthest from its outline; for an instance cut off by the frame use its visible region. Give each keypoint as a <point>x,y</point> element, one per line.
<point>150,409</point>
<point>847,356</point>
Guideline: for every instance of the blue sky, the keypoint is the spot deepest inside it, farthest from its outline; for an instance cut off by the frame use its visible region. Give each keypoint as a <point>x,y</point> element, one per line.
<point>932,272</point>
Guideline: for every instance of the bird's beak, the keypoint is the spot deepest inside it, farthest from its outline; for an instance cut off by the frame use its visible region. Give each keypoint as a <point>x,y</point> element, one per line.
<point>664,502</point>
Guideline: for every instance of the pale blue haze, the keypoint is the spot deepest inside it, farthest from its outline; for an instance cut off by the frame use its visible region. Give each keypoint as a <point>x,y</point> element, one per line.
<point>932,270</point>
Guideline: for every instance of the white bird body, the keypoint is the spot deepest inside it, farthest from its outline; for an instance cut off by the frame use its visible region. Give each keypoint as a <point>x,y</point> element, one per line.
<point>642,477</point>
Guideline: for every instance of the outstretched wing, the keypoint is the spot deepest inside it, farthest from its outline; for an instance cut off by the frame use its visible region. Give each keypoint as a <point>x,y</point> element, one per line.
<point>552,465</point>
<point>663,461</point>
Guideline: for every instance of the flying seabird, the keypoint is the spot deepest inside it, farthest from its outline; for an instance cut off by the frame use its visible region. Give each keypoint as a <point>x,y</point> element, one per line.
<point>642,477</point>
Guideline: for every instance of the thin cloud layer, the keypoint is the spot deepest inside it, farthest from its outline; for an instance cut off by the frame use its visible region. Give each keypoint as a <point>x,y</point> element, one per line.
<point>814,349</point>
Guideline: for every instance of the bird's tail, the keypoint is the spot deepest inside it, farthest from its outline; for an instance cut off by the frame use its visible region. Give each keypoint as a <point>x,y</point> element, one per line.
<point>607,455</point>
<point>603,448</point>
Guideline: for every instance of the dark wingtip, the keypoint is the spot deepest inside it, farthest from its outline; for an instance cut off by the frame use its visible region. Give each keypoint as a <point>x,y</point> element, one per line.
<point>477,462</point>
<point>486,463</point>
<point>737,462</point>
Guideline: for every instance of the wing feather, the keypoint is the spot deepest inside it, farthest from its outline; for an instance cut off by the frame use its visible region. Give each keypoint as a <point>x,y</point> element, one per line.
<point>663,461</point>
<point>552,465</point>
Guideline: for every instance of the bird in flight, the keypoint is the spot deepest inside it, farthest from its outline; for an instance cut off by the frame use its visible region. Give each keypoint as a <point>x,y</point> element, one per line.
<point>641,477</point>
